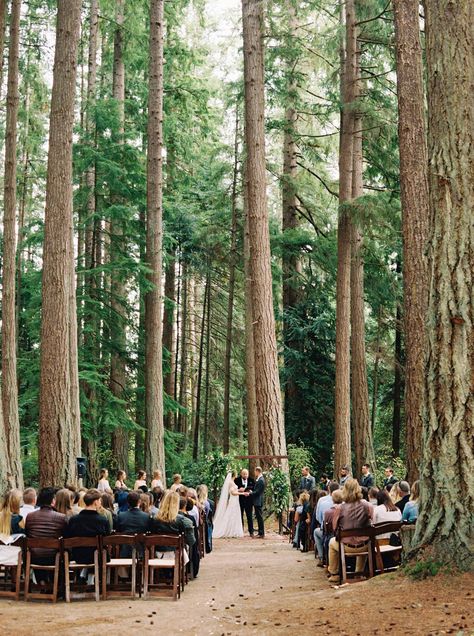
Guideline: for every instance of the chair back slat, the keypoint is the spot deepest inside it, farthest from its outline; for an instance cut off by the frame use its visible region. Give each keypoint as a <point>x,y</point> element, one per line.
<point>354,532</point>
<point>161,540</point>
<point>387,526</point>
<point>44,542</point>
<point>119,539</point>
<point>81,542</point>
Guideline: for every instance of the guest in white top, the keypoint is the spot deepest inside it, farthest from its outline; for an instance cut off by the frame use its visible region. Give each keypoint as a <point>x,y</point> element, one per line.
<point>140,481</point>
<point>103,485</point>
<point>120,483</point>
<point>157,481</point>
<point>386,511</point>
<point>29,502</point>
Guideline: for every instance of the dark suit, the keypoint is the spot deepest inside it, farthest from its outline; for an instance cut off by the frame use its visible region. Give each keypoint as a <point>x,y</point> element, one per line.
<point>246,503</point>
<point>88,523</point>
<point>257,497</point>
<point>307,483</point>
<point>367,481</point>
<point>134,521</point>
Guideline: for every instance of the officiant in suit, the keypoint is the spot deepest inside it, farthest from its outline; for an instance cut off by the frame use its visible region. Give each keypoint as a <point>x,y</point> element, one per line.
<point>257,498</point>
<point>246,484</point>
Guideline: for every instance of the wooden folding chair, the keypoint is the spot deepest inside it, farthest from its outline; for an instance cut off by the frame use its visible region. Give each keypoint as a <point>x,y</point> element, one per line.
<point>81,542</point>
<point>156,558</point>
<point>201,530</point>
<point>385,527</point>
<point>355,532</point>
<point>32,564</point>
<point>11,563</point>
<point>111,547</point>
<point>183,572</point>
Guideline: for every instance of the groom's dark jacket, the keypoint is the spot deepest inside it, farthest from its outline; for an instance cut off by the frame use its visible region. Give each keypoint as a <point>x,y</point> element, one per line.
<point>258,491</point>
<point>245,502</point>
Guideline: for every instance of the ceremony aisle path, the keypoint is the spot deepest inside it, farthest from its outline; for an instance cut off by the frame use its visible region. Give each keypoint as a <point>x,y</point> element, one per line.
<point>252,586</point>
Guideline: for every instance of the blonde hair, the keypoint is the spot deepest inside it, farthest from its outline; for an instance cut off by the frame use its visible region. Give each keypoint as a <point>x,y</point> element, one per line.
<point>337,496</point>
<point>169,507</point>
<point>10,507</point>
<point>145,502</point>
<point>177,478</point>
<point>202,493</point>
<point>157,474</point>
<point>64,501</point>
<point>351,491</point>
<point>415,491</point>
<point>304,497</point>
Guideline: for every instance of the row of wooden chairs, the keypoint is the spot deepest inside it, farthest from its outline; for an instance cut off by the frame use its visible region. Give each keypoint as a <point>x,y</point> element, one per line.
<point>146,555</point>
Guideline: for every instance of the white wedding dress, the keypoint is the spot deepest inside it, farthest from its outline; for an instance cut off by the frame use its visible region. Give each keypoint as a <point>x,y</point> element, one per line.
<point>228,520</point>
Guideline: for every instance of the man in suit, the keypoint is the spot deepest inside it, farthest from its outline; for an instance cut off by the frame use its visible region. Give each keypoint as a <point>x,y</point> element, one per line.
<point>367,479</point>
<point>133,521</point>
<point>390,478</point>
<point>246,484</point>
<point>308,482</point>
<point>257,500</point>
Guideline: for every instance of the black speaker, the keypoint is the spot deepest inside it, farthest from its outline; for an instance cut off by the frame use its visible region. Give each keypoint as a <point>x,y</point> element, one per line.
<point>81,467</point>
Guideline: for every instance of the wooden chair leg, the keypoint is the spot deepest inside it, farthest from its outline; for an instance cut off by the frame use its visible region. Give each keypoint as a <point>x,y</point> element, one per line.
<point>134,575</point>
<point>67,582</point>
<point>18,577</point>
<point>175,581</point>
<point>96,576</point>
<point>56,578</point>
<point>104,575</point>
<point>146,573</point>
<point>343,567</point>
<point>371,559</point>
<point>27,575</point>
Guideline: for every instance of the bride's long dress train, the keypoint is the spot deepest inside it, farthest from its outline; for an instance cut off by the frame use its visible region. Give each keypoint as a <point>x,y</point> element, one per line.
<point>228,520</point>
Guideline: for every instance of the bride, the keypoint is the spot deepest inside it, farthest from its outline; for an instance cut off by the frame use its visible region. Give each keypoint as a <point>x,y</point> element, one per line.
<point>228,520</point>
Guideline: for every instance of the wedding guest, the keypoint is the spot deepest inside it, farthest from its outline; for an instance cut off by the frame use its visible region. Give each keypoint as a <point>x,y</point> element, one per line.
<point>157,481</point>
<point>140,482</point>
<point>145,504</point>
<point>134,520</point>
<point>120,481</point>
<point>394,492</point>
<point>45,523</point>
<point>157,494</point>
<point>64,500</point>
<point>170,521</point>
<point>314,497</point>
<point>373,495</point>
<point>410,512</point>
<point>29,502</point>
<point>121,499</point>
<point>367,479</point>
<point>328,529</point>
<point>324,504</point>
<point>185,506</point>
<point>208,507</point>
<point>11,522</point>
<point>390,478</point>
<point>308,482</point>
<point>78,501</point>
<point>176,485</point>
<point>344,474</point>
<point>103,485</point>
<point>386,510</point>
<point>301,514</point>
<point>324,482</point>
<point>404,495</point>
<point>88,523</point>
<point>106,509</point>
<point>353,513</point>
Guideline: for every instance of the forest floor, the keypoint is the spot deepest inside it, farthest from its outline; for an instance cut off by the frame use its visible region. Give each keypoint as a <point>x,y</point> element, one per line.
<point>252,586</point>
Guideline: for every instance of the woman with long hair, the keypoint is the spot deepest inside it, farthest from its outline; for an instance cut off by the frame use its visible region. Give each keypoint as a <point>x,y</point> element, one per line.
<point>64,499</point>
<point>386,510</point>
<point>140,482</point>
<point>11,522</point>
<point>103,484</point>
<point>157,481</point>
<point>120,481</point>
<point>107,509</point>
<point>410,512</point>
<point>208,506</point>
<point>169,521</point>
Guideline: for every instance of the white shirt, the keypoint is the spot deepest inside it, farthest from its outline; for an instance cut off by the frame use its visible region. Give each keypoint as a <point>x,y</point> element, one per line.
<point>103,485</point>
<point>26,509</point>
<point>244,483</point>
<point>382,514</point>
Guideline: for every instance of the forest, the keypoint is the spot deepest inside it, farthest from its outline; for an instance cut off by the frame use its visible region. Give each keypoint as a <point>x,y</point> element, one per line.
<point>240,228</point>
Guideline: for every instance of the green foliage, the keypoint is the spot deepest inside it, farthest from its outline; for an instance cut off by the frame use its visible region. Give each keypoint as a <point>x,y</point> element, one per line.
<point>423,569</point>
<point>298,456</point>
<point>279,487</point>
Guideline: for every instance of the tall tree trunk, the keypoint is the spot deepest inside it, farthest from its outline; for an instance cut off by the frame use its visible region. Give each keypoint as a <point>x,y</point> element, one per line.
<point>444,528</point>
<point>363,443</point>
<point>183,370</point>
<point>154,442</point>
<point>208,377</point>
<point>58,442</point>
<point>3,24</point>
<point>267,382</point>
<point>197,414</point>
<point>230,302</point>
<point>9,374</point>
<point>375,381</point>
<point>342,442</point>
<point>169,332</point>
<point>118,288</point>
<point>291,263</point>
<point>250,395</point>
<point>415,217</point>
<point>140,395</point>
<point>397,386</point>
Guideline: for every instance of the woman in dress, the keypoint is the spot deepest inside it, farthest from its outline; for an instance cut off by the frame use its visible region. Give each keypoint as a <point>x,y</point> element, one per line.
<point>140,482</point>
<point>103,485</point>
<point>120,482</point>
<point>157,481</point>
<point>228,519</point>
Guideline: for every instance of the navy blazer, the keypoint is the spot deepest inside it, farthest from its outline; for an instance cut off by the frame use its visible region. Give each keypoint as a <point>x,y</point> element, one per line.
<point>258,492</point>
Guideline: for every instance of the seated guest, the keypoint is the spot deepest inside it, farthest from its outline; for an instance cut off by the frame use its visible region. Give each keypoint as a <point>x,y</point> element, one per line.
<point>325,503</point>
<point>169,520</point>
<point>328,529</point>
<point>208,506</point>
<point>106,509</point>
<point>145,503</point>
<point>314,496</point>
<point>103,485</point>
<point>78,501</point>
<point>176,482</point>
<point>121,499</point>
<point>403,495</point>
<point>134,521</point>
<point>11,522</point>
<point>29,502</point>
<point>157,481</point>
<point>319,532</point>
<point>373,495</point>
<point>192,498</point>
<point>410,511</point>
<point>140,482</point>
<point>353,513</point>
<point>185,506</point>
<point>88,523</point>
<point>386,510</point>
<point>120,481</point>
<point>367,479</point>
<point>301,514</point>
<point>157,494</point>
<point>45,523</point>
<point>64,499</point>
<point>390,478</point>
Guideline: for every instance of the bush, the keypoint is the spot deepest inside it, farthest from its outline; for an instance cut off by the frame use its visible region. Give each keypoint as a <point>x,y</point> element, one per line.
<point>298,456</point>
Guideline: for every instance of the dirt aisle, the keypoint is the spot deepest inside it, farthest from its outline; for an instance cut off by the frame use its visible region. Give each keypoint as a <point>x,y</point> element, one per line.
<point>250,586</point>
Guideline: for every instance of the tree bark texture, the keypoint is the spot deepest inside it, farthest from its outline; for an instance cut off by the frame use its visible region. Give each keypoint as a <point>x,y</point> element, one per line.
<point>154,443</point>
<point>9,335</point>
<point>118,287</point>
<point>197,414</point>
<point>444,529</point>
<point>58,436</point>
<point>415,217</point>
<point>342,441</point>
<point>267,382</point>
<point>3,23</point>
<point>397,387</point>
<point>169,332</point>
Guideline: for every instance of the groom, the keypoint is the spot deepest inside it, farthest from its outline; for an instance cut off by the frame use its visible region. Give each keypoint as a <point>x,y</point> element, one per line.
<point>257,499</point>
<point>245,484</point>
